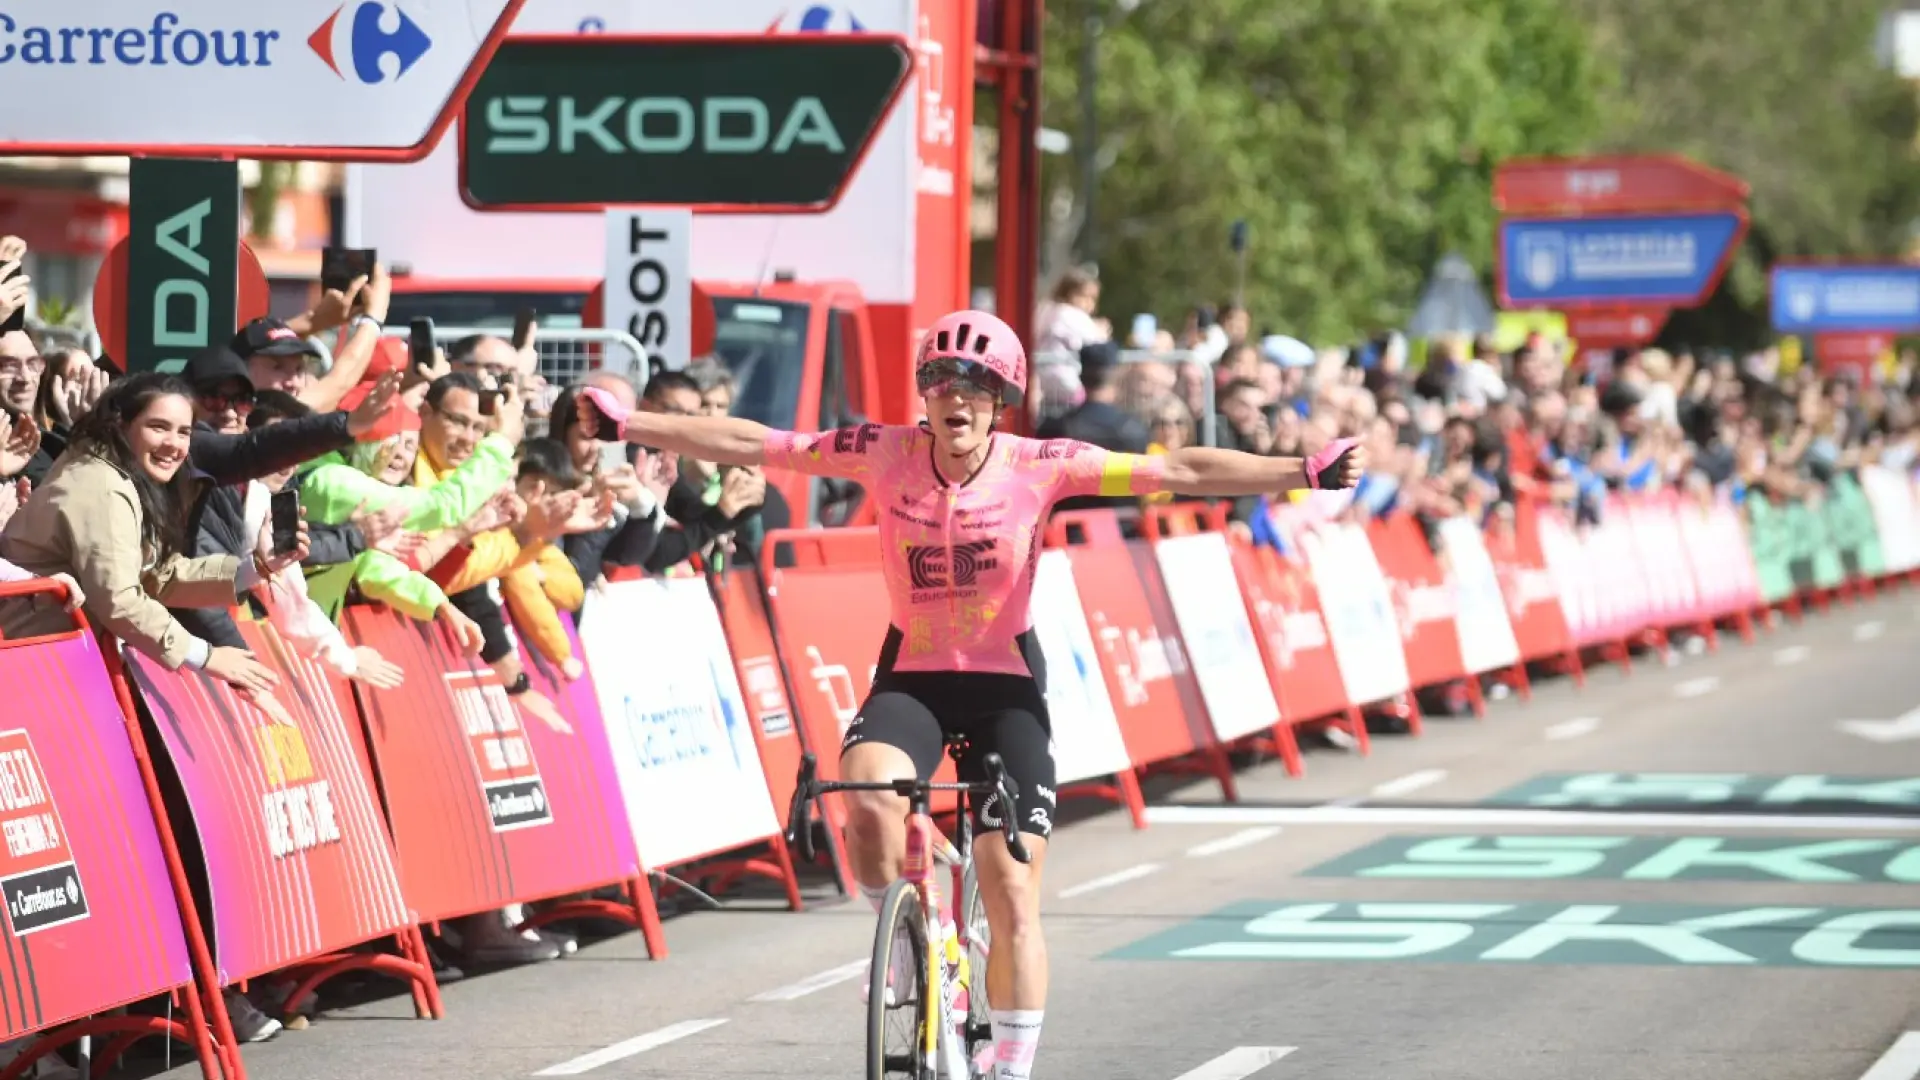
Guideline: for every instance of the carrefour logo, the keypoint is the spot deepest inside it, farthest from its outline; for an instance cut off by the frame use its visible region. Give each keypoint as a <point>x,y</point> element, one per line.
<point>822,19</point>
<point>370,42</point>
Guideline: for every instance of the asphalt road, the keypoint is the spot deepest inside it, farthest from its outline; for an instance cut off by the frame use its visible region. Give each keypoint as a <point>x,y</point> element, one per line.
<point>1567,928</point>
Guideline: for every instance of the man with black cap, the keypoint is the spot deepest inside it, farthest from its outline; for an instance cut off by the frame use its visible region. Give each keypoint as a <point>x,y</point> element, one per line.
<point>1098,420</point>
<point>278,354</point>
<point>225,455</point>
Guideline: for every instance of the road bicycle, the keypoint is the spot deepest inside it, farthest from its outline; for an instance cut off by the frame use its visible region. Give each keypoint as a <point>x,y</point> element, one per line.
<point>941,1035</point>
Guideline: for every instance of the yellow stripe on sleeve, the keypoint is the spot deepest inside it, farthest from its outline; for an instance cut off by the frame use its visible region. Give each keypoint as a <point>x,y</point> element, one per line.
<point>1116,476</point>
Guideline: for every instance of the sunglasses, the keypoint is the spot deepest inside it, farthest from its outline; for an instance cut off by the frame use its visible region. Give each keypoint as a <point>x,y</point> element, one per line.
<point>967,377</point>
<point>237,400</point>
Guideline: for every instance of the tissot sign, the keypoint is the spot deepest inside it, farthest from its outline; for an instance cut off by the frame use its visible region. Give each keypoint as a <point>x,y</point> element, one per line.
<point>753,123</point>
<point>359,79</point>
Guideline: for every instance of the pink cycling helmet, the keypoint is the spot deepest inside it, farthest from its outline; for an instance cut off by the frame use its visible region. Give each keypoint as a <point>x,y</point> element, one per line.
<point>976,337</point>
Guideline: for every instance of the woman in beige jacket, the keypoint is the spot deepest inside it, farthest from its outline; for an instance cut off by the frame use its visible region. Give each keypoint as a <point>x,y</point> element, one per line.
<point>112,513</point>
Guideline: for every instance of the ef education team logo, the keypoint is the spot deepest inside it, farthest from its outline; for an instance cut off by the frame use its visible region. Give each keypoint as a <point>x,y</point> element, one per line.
<point>369,41</point>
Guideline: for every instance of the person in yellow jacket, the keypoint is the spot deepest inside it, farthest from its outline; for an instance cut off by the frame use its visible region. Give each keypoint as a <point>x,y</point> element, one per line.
<point>537,591</point>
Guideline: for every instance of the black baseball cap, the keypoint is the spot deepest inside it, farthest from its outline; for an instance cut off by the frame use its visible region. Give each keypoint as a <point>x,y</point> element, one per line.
<point>268,336</point>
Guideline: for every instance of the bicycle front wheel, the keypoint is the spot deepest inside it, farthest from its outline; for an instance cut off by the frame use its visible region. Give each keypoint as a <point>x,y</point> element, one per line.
<point>897,1030</point>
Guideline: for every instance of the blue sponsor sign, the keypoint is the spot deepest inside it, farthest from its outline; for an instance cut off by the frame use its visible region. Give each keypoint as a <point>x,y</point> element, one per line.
<point>1841,299</point>
<point>1671,259</point>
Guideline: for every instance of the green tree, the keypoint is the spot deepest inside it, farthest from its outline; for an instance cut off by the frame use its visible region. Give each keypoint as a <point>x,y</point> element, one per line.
<point>1785,96</point>
<point>1357,137</point>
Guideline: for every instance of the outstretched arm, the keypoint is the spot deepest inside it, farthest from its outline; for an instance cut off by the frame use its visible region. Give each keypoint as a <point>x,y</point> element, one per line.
<point>726,439</point>
<point>1201,470</point>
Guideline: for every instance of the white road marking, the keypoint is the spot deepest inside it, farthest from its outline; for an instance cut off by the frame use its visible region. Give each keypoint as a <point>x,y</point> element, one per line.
<point>1574,728</point>
<point>1234,841</point>
<point>1118,877</point>
<point>830,977</point>
<point>1900,1062</point>
<point>1706,684</point>
<point>1792,654</point>
<point>1899,729</point>
<point>639,1044</point>
<point>1410,783</point>
<point>1869,630</point>
<point>1244,1061</point>
<point>1519,816</point>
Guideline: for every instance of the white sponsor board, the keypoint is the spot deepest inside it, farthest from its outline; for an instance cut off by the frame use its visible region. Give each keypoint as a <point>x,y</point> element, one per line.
<point>1086,733</point>
<point>650,281</point>
<point>1359,612</point>
<point>368,75</point>
<point>1486,636</point>
<point>676,719</point>
<point>414,214</point>
<point>1198,572</point>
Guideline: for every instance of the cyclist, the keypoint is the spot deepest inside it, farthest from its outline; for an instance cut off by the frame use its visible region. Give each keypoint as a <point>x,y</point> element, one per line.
<point>961,507</point>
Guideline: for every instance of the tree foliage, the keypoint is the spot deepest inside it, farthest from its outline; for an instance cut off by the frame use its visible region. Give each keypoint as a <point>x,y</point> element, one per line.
<point>1358,137</point>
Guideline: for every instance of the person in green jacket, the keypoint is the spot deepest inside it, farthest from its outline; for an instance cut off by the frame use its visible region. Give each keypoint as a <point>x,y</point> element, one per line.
<point>374,477</point>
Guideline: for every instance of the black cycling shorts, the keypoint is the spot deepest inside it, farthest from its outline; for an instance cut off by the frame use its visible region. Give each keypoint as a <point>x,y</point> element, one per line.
<point>997,713</point>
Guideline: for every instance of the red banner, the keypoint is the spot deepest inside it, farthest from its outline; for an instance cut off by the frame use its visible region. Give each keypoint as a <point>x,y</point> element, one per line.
<point>296,853</point>
<point>750,640</point>
<point>1286,605</point>
<point>1423,601</point>
<point>1533,600</point>
<point>91,921</point>
<point>494,799</point>
<point>1612,328</point>
<point>1611,185</point>
<point>1857,352</point>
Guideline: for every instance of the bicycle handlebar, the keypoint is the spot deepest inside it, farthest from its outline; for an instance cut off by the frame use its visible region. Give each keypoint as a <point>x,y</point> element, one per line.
<point>808,787</point>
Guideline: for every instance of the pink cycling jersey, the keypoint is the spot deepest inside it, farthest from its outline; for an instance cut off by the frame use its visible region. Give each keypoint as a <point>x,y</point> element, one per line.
<point>959,558</point>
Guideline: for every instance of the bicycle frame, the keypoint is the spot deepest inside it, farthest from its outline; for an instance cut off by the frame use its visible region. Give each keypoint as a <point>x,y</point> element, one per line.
<point>925,846</point>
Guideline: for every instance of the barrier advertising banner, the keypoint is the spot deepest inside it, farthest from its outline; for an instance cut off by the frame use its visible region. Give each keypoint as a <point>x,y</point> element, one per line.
<point>1147,675</point>
<point>81,872</point>
<point>1200,583</point>
<point>750,639</point>
<point>1359,612</point>
<point>676,719</point>
<point>297,857</point>
<point>494,799</point>
<point>1287,611</point>
<point>1487,642</point>
<point>1086,735</point>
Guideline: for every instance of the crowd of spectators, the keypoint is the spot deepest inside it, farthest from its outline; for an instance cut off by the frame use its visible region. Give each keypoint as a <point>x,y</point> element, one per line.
<point>441,489</point>
<point>1468,427</point>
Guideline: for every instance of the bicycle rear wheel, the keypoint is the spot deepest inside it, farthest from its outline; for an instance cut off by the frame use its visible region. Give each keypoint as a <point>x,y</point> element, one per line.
<point>897,1028</point>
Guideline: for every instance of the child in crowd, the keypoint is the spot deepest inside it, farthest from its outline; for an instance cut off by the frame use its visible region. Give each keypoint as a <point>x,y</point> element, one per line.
<point>537,591</point>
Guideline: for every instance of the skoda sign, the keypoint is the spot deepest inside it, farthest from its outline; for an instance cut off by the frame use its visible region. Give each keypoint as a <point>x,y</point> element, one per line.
<point>746,124</point>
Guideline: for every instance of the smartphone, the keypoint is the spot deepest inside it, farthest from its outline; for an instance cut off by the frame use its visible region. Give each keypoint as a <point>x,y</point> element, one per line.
<point>420,343</point>
<point>613,455</point>
<point>285,513</point>
<point>523,327</point>
<point>17,320</point>
<point>339,266</point>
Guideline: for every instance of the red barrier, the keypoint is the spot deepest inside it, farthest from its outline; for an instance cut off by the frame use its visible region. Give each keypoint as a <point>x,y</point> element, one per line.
<point>89,868</point>
<point>298,859</point>
<point>830,615</point>
<point>743,618</point>
<point>1424,605</point>
<point>1154,693</point>
<point>494,800</point>
<point>1533,603</point>
<point>1285,606</point>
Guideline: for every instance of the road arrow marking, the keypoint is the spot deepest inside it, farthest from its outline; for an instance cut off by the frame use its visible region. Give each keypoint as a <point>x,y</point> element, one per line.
<point>1898,729</point>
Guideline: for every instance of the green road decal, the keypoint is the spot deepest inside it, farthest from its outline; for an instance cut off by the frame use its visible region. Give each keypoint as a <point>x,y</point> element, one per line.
<point>1777,936</point>
<point>1805,793</point>
<point>1621,858</point>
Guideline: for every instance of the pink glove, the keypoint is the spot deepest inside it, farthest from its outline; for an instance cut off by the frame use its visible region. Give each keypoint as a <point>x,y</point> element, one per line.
<point>605,404</point>
<point>1323,468</point>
